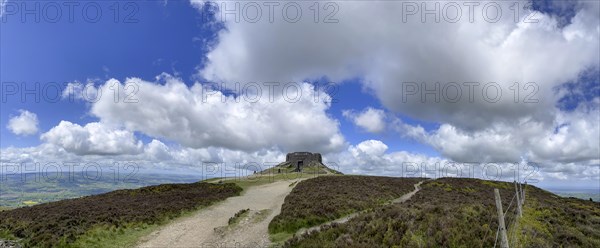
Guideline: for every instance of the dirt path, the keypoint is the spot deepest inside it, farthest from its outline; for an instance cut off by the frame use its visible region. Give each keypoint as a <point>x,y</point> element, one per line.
<point>407,196</point>
<point>346,218</point>
<point>209,227</point>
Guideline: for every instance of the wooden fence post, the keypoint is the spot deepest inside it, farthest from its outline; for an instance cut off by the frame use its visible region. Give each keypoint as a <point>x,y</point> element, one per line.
<point>524,188</point>
<point>518,194</point>
<point>522,193</point>
<point>503,237</point>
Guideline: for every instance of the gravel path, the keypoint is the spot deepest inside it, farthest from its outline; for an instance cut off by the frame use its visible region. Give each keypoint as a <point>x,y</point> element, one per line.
<point>209,227</point>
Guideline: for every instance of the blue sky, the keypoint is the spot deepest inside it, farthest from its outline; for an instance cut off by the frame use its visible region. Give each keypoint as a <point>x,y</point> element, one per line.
<point>366,60</point>
<point>80,51</point>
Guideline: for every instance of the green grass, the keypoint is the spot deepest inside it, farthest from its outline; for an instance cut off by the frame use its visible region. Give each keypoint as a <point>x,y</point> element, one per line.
<point>552,221</point>
<point>110,236</point>
<point>532,229</point>
<point>238,216</point>
<point>496,184</point>
<point>261,215</point>
<point>281,237</point>
<point>30,203</point>
<point>6,235</point>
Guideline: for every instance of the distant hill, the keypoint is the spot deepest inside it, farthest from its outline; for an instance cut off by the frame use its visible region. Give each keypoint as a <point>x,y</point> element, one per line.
<point>18,190</point>
<point>581,194</point>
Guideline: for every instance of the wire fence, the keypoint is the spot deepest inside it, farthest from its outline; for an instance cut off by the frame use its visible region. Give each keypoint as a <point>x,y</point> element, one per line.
<point>508,233</point>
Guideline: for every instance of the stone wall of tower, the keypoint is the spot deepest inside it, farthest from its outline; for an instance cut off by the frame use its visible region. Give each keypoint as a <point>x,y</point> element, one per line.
<point>305,157</point>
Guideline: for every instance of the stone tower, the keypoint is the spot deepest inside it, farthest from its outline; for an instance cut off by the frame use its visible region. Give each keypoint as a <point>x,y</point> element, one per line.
<point>301,159</point>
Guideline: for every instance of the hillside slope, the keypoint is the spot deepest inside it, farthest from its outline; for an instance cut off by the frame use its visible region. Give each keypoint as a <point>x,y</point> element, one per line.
<point>446,212</point>
<point>65,223</point>
<point>322,199</point>
<point>453,212</point>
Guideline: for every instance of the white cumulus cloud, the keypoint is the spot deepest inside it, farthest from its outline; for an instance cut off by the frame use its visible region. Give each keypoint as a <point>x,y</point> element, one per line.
<point>195,119</point>
<point>371,120</point>
<point>25,123</point>
<point>571,137</point>
<point>92,139</point>
<point>371,41</point>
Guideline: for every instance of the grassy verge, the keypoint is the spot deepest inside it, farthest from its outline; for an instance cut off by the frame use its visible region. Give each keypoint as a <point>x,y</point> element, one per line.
<point>239,215</point>
<point>261,215</point>
<point>111,236</point>
<point>280,237</point>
